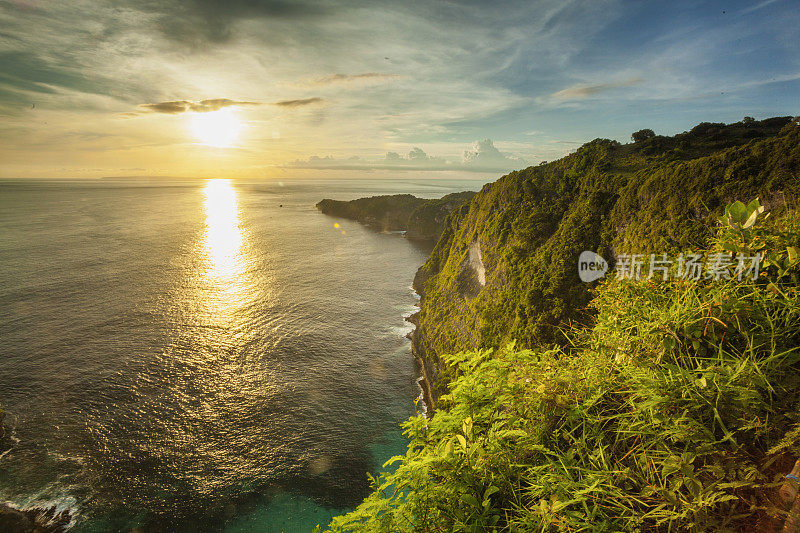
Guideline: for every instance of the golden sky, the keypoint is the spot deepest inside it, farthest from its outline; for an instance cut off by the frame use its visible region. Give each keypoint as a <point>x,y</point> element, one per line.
<point>263,88</point>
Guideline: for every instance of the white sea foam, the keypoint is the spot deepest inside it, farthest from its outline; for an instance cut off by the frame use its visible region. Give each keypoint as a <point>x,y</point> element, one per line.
<point>13,438</point>
<point>407,310</point>
<point>402,331</point>
<point>45,500</point>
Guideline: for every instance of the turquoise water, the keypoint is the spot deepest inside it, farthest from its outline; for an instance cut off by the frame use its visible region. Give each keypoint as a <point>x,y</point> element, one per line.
<point>201,355</point>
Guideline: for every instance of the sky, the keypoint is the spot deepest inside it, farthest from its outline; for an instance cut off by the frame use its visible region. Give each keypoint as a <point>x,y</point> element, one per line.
<point>282,89</point>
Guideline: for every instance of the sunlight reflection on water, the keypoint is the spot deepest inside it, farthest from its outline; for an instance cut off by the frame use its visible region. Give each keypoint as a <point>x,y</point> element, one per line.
<point>223,243</point>
<point>225,278</point>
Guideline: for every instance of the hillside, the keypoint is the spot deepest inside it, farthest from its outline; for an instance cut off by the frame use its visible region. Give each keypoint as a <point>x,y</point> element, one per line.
<point>505,268</point>
<point>676,411</point>
<point>421,218</point>
<point>631,405</point>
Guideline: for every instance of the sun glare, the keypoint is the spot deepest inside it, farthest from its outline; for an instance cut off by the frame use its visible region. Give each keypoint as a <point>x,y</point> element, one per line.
<point>217,128</point>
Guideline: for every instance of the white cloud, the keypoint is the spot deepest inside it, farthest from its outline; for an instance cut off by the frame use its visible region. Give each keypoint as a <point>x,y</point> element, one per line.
<point>482,156</point>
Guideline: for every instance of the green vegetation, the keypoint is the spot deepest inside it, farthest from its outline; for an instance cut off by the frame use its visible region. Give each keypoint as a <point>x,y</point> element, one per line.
<point>619,405</point>
<point>420,218</point>
<point>642,135</point>
<point>676,410</point>
<point>427,221</point>
<point>661,194</point>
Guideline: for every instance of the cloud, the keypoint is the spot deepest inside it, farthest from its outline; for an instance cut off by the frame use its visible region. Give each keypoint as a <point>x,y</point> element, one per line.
<point>758,6</point>
<point>200,22</point>
<point>299,103</point>
<point>203,106</point>
<point>363,78</point>
<point>482,156</point>
<point>415,157</point>
<point>175,107</point>
<point>579,92</point>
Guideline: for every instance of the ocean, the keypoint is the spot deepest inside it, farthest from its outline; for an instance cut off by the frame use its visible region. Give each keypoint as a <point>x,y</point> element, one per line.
<point>208,355</point>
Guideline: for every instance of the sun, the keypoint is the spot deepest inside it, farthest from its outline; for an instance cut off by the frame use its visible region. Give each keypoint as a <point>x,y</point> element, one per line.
<point>217,128</point>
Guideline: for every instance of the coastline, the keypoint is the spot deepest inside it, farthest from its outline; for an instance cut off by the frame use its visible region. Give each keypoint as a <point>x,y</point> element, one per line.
<point>424,380</point>
<point>424,397</point>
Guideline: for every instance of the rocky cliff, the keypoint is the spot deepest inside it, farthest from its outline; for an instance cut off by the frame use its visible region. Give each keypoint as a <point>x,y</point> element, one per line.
<point>421,218</point>
<point>505,266</point>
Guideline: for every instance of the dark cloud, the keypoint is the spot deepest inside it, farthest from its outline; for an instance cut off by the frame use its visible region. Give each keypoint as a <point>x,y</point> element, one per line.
<point>179,106</point>
<point>203,106</point>
<point>299,103</point>
<point>175,107</point>
<point>218,103</point>
<point>197,21</point>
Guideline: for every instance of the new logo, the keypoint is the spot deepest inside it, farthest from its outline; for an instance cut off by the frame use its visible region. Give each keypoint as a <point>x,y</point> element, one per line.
<point>591,266</point>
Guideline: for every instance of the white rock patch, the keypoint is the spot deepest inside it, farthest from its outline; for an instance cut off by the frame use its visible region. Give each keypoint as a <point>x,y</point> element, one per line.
<point>476,263</point>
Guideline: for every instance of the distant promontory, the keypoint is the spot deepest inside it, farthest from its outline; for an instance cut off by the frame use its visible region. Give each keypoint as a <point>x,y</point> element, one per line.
<point>420,218</point>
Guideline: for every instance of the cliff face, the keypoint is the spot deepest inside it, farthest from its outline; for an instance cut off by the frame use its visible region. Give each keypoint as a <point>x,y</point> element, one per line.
<point>421,219</point>
<point>427,221</point>
<point>505,267</point>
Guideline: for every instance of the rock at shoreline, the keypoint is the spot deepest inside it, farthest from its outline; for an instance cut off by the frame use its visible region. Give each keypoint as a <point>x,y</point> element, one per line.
<point>33,520</point>
<point>14,521</point>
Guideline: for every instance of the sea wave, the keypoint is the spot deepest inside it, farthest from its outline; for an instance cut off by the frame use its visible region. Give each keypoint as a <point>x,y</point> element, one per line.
<point>51,513</point>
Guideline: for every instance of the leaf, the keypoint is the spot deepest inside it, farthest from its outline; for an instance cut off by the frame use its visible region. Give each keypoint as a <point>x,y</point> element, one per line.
<point>466,425</point>
<point>491,490</point>
<point>588,489</point>
<point>448,448</point>
<point>737,211</point>
<point>793,253</point>
<point>470,499</point>
<point>694,486</point>
<point>462,440</point>
<point>671,465</point>
<point>751,220</point>
<point>394,460</point>
<point>512,433</point>
<point>754,204</point>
